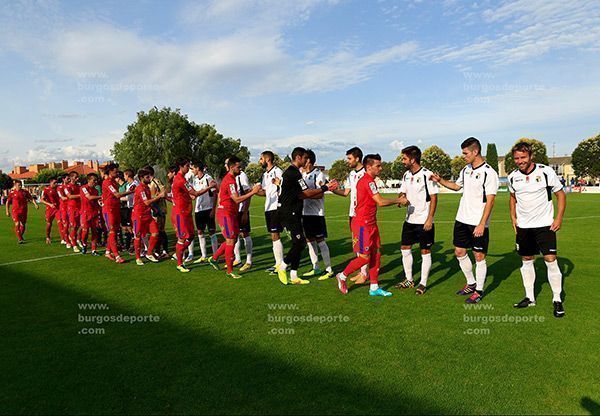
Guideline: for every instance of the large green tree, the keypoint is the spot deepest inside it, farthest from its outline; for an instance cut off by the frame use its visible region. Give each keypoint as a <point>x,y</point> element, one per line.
<point>397,169</point>
<point>339,170</point>
<point>386,171</point>
<point>456,165</point>
<point>6,181</point>
<point>586,158</point>
<point>539,154</point>
<point>438,161</point>
<point>254,172</point>
<point>491,156</point>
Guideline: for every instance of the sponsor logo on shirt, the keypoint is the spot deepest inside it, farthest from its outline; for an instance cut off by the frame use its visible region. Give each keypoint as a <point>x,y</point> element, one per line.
<point>373,187</point>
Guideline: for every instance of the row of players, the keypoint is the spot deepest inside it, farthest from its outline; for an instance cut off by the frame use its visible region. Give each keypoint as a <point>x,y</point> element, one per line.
<point>294,201</point>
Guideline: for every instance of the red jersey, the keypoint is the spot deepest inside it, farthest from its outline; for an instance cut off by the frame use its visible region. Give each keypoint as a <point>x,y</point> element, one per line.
<point>73,189</point>
<point>50,194</point>
<point>60,190</point>
<point>142,194</point>
<point>89,206</point>
<point>228,188</point>
<point>110,201</point>
<point>366,207</point>
<point>182,200</point>
<point>19,199</point>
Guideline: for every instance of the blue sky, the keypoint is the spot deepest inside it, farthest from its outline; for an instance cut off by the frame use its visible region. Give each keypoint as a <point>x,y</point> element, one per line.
<point>325,74</point>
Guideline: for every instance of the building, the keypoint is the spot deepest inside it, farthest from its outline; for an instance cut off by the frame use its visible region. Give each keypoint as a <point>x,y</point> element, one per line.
<point>561,165</point>
<point>29,172</point>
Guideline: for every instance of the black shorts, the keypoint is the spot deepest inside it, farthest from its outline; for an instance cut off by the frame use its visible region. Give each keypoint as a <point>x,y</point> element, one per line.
<point>532,241</point>
<point>273,222</point>
<point>414,233</point>
<point>464,238</point>
<point>244,225</point>
<point>292,223</point>
<point>314,226</point>
<point>205,221</point>
<point>125,217</point>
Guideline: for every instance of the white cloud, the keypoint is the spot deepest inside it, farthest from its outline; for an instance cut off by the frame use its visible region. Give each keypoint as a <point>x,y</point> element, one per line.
<point>397,145</point>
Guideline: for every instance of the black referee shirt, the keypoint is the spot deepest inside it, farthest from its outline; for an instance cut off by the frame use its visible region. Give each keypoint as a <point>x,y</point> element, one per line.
<point>291,188</point>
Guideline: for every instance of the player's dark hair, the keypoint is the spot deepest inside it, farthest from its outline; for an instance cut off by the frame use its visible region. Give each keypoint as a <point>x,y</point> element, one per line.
<point>270,155</point>
<point>129,172</point>
<point>370,158</point>
<point>298,151</point>
<point>92,175</point>
<point>232,160</point>
<point>149,169</point>
<point>472,143</point>
<point>52,178</point>
<point>356,152</point>
<point>412,152</point>
<point>73,173</point>
<point>143,172</point>
<point>199,164</point>
<point>173,169</point>
<point>181,161</point>
<point>522,146</point>
<point>110,167</point>
<point>311,156</point>
<point>120,175</point>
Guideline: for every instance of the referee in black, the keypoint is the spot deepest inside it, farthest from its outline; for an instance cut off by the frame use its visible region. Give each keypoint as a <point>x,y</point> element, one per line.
<point>293,192</point>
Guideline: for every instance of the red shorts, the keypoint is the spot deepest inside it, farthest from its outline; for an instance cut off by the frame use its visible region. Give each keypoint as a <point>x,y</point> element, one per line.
<point>143,226</point>
<point>365,238</point>
<point>229,224</point>
<point>112,219</point>
<point>90,220</point>
<point>183,224</point>
<point>52,213</point>
<point>19,216</point>
<point>73,215</point>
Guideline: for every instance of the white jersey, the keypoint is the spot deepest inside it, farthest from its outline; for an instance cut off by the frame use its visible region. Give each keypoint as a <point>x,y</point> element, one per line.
<point>314,180</point>
<point>269,183</point>
<point>205,201</point>
<point>243,185</point>
<point>418,189</point>
<point>534,195</point>
<point>353,177</point>
<point>476,185</point>
<point>131,186</point>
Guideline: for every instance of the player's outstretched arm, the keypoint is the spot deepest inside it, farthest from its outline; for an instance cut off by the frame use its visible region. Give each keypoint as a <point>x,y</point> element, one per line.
<point>158,196</point>
<point>446,183</point>
<point>238,199</point>
<point>384,202</point>
<point>318,193</point>
<point>212,185</point>
<point>512,206</point>
<point>561,206</point>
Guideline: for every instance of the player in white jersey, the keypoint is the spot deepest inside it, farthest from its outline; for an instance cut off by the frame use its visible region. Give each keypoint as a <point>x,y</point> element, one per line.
<point>313,220</point>
<point>243,187</point>
<point>532,214</point>
<point>271,182</point>
<point>421,193</point>
<point>479,184</point>
<point>354,158</point>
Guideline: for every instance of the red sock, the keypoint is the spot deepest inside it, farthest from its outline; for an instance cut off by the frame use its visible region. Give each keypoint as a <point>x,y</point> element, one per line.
<point>179,247</point>
<point>220,251</point>
<point>48,229</point>
<point>94,238</point>
<point>84,236</point>
<point>18,231</point>
<point>22,230</point>
<point>374,265</point>
<point>229,257</point>
<point>152,244</point>
<point>136,246</point>
<point>112,243</point>
<point>354,265</point>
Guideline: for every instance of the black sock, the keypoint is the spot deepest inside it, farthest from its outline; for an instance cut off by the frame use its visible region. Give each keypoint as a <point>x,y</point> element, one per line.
<point>128,238</point>
<point>165,241</point>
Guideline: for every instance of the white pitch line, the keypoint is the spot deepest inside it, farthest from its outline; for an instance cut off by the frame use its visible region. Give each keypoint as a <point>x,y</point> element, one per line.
<point>494,221</point>
<point>38,259</point>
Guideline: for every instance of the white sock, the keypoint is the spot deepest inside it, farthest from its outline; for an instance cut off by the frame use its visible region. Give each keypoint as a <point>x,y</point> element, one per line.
<point>214,243</point>
<point>528,275</point>
<point>278,252</point>
<point>202,242</point>
<point>191,249</point>
<point>236,250</point>
<point>248,245</point>
<point>467,268</point>
<point>425,268</point>
<point>145,243</point>
<point>324,248</point>
<point>364,270</point>
<point>480,274</point>
<point>342,276</point>
<point>407,263</point>
<point>282,266</point>
<point>293,274</point>
<point>373,286</point>
<point>555,280</point>
<point>312,252</point>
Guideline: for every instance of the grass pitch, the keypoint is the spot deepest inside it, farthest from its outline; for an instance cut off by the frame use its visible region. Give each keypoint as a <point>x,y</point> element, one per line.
<point>254,346</point>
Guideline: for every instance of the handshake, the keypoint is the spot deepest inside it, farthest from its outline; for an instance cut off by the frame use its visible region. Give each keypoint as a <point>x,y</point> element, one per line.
<point>402,201</point>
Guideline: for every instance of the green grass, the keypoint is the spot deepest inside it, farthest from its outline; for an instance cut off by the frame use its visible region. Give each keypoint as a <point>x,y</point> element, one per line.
<point>212,351</point>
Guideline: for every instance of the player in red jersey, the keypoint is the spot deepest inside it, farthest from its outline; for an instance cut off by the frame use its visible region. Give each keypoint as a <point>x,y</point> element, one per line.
<point>90,213</point>
<point>73,210</point>
<point>52,201</point>
<point>112,210</point>
<point>227,214</point>
<point>18,198</point>
<point>63,220</point>
<point>365,232</point>
<point>142,219</point>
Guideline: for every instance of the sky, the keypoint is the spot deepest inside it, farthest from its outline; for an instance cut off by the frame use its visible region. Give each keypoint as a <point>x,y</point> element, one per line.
<point>324,74</point>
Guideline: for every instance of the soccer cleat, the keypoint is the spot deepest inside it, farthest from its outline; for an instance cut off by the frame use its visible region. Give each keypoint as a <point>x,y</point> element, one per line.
<point>234,275</point>
<point>151,258</point>
<point>201,260</point>
<point>139,262</point>
<point>183,269</point>
<point>466,290</point>
<point>271,270</point>
<point>341,284</point>
<point>525,303</point>
<point>119,260</point>
<point>282,275</point>
<point>326,276</point>
<point>63,242</point>
<point>213,263</point>
<point>48,240</point>
<point>475,297</point>
<point>245,267</point>
<point>559,311</point>
<point>405,284</point>
<point>84,250</point>
<point>68,245</point>
<point>236,263</point>
<point>76,249</point>
<point>188,259</point>
<point>79,243</point>
<point>380,292</point>
<point>164,255</point>
<point>109,256</point>
<point>298,281</point>
<point>21,242</point>
<point>313,272</point>
<point>174,257</point>
<point>421,289</point>
<point>95,253</point>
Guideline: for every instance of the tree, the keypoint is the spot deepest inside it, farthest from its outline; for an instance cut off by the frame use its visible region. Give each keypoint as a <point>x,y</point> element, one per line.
<point>339,170</point>
<point>386,171</point>
<point>586,158</point>
<point>44,175</point>
<point>215,148</point>
<point>491,156</point>
<point>539,154</point>
<point>6,182</point>
<point>438,161</point>
<point>254,172</point>
<point>397,168</point>
<point>456,165</point>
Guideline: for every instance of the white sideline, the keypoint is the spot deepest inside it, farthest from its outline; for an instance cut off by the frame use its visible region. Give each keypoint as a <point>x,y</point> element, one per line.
<point>38,259</point>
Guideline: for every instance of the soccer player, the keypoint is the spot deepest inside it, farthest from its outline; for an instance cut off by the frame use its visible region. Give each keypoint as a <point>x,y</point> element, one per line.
<point>532,214</point>
<point>243,184</point>
<point>90,213</point>
<point>72,191</point>
<point>127,189</point>
<point>159,209</point>
<point>228,214</point>
<point>313,220</point>
<point>479,183</point>
<point>354,158</point>
<point>111,198</point>
<point>142,219</point>
<point>418,227</point>
<point>293,192</point>
<point>63,222</point>
<point>204,210</point>
<point>18,198</point>
<point>270,184</point>
<point>365,232</point>
<point>52,202</point>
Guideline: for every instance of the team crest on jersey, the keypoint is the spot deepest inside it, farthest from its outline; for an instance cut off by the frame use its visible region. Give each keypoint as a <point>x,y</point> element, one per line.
<point>477,176</point>
<point>538,178</point>
<point>418,180</point>
<point>354,241</point>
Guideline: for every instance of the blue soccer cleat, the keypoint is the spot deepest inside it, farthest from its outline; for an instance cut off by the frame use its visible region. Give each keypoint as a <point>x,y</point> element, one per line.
<point>380,292</point>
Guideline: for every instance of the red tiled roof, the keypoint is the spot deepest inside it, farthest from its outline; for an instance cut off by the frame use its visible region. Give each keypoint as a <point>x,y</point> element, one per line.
<point>25,175</point>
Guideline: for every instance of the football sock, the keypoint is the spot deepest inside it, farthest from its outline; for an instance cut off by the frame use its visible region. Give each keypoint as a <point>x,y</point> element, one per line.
<point>293,274</point>
<point>354,265</point>
<point>364,270</point>
<point>202,242</point>
<point>425,268</point>
<point>128,238</point>
<point>164,238</point>
<point>467,268</point>
<point>137,247</point>
<point>18,231</point>
<point>179,247</point>
<point>528,275</point>
<point>480,274</point>
<point>214,242</point>
<point>248,245</point>
<point>374,264</point>
<point>278,252</point>
<point>48,229</point>
<point>191,249</point>
<point>229,257</point>
<point>152,244</point>
<point>342,276</point>
<point>236,250</point>
<point>555,280</point>
<point>324,248</point>
<point>407,263</point>
<point>84,236</point>
<point>112,242</point>
<point>373,286</point>
<point>220,251</point>
<point>312,252</point>
<point>282,265</point>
